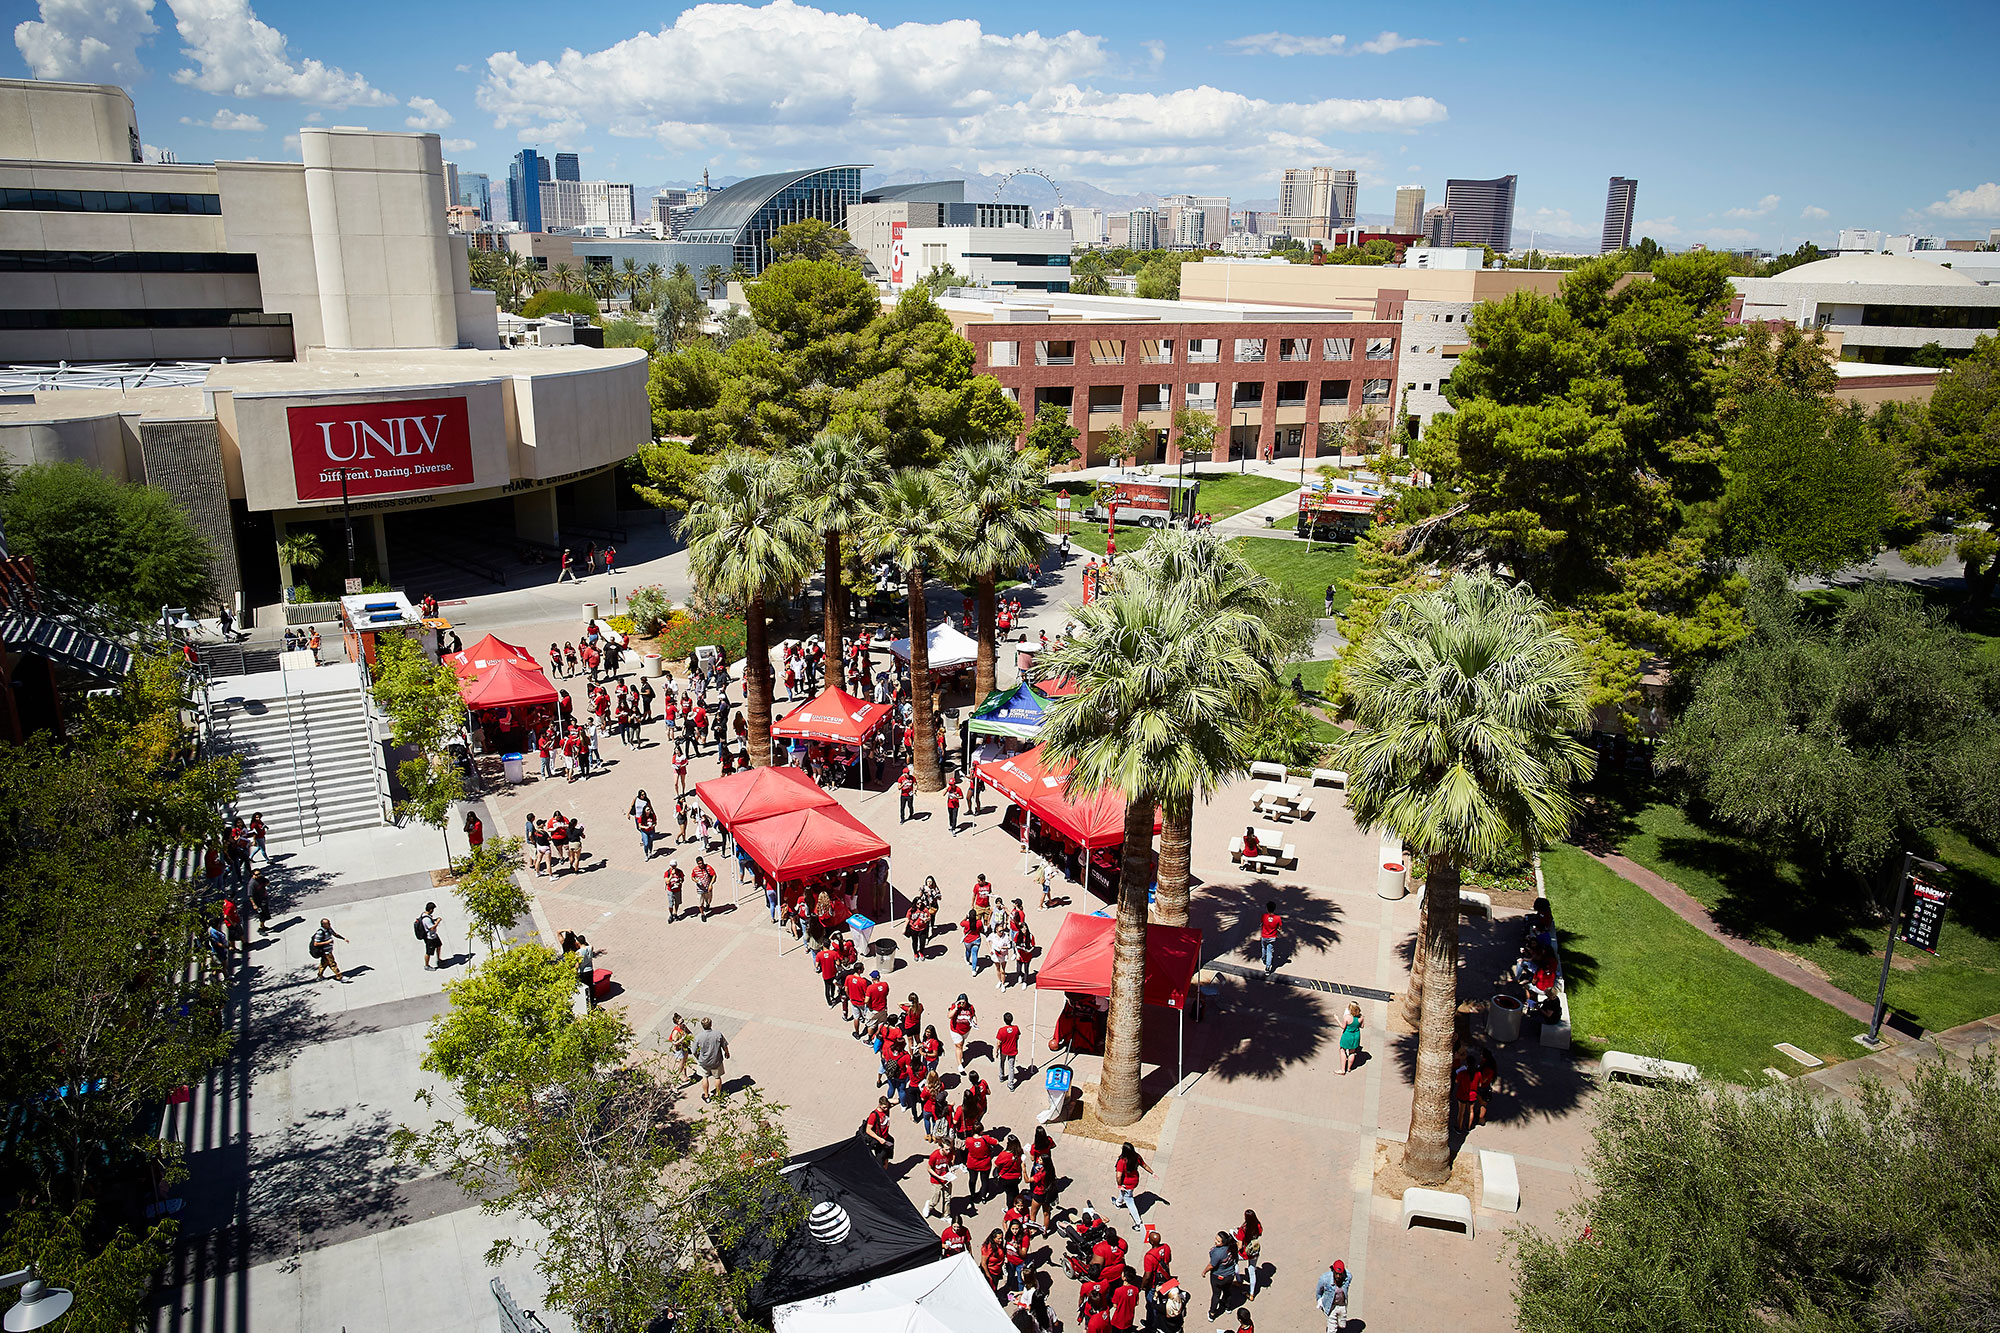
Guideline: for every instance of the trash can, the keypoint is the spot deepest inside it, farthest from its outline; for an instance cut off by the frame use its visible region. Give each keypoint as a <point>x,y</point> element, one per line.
<point>1393,881</point>
<point>652,665</point>
<point>1503,1019</point>
<point>865,929</point>
<point>510,764</point>
<point>589,612</point>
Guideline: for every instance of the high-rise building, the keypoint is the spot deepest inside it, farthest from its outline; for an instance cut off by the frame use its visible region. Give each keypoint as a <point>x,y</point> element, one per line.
<point>568,168</point>
<point>524,193</point>
<point>573,205</point>
<point>1437,226</point>
<point>1409,211</point>
<point>1618,207</point>
<point>1313,201</point>
<point>1142,229</point>
<point>475,189</point>
<point>1482,212</point>
<point>1196,220</point>
<point>450,184</point>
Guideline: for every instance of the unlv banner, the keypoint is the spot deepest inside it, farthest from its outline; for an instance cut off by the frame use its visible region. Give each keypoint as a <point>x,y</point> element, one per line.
<point>899,255</point>
<point>412,444</point>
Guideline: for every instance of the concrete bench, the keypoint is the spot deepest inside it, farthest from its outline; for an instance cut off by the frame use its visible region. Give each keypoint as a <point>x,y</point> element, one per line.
<point>1301,808</point>
<point>1499,1182</point>
<point>1556,1034</point>
<point>1329,777</point>
<point>1471,902</point>
<point>1274,772</point>
<point>1644,1069</point>
<point>1437,1206</point>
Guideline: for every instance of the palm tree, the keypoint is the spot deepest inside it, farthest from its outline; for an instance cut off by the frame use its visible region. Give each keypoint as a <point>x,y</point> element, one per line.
<point>1000,492</point>
<point>837,479</point>
<point>628,276</point>
<point>916,528</point>
<point>1205,568</point>
<point>1156,702</point>
<point>1468,703</point>
<point>746,545</point>
<point>562,277</point>
<point>681,270</point>
<point>711,278</point>
<point>650,278</point>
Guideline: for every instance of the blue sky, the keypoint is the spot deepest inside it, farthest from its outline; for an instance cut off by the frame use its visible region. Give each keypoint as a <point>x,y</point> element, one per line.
<point>1744,123</point>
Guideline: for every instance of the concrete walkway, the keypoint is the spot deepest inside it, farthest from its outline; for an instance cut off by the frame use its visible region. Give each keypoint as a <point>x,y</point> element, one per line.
<point>1692,912</point>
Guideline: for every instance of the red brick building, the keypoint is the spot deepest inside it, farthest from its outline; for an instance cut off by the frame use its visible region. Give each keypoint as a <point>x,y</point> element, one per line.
<point>1271,376</point>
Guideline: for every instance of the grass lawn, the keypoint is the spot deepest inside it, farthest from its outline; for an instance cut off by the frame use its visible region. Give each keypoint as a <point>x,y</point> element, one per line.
<point>1641,979</point>
<point>1302,573</point>
<point>1087,536</point>
<point>1226,493</point>
<point>1771,901</point>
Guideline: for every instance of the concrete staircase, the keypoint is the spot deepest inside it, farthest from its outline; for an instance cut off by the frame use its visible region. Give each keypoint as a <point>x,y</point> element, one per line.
<point>310,762</point>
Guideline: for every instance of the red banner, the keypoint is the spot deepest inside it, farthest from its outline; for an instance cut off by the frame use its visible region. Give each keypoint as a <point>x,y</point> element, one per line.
<point>898,254</point>
<point>412,444</point>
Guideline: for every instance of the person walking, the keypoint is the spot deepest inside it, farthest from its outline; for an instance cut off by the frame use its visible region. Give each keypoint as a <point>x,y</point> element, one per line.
<point>680,1044</point>
<point>641,811</point>
<point>1008,1165</point>
<point>1331,1295</point>
<point>675,879</point>
<point>1350,1037</point>
<point>321,948</point>
<point>1007,1040</point>
<point>943,1167</point>
<point>711,1049</point>
<point>875,1130</point>
<point>906,786</point>
<point>586,971</point>
<point>1221,1273</point>
<point>257,836</point>
<point>961,1020</point>
<point>1125,1172</point>
<point>260,901</point>
<point>427,931</point>
<point>704,885</point>
<point>954,796</point>
<point>970,931</point>
<point>1249,1249</point>
<point>568,571</point>
<point>475,832</point>
<point>980,1148</point>
<point>1267,935</point>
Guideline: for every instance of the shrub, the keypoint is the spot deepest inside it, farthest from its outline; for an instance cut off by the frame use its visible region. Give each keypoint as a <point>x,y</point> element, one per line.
<point>623,624</point>
<point>684,633</point>
<point>648,608</point>
<point>558,303</point>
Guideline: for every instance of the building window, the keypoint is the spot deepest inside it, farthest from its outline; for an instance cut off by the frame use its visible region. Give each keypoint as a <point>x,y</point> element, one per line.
<point>1013,394</point>
<point>1427,388</point>
<point>1374,391</point>
<point>1291,393</point>
<point>1339,349</point>
<point>1055,353</point>
<point>1003,354</point>
<point>1381,349</point>
<point>141,319</point>
<point>1930,317</point>
<point>1107,351</point>
<point>1249,393</point>
<point>1106,398</point>
<point>1249,349</point>
<point>1294,349</point>
<point>1156,397</point>
<point>124,261</point>
<point>109,201</point>
<point>1333,392</point>
<point>1156,351</point>
<point>1411,385</point>
<point>1201,351</point>
<point>1201,397</point>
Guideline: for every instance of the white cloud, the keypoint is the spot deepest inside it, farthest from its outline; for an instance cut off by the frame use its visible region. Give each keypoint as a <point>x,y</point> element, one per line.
<point>291,143</point>
<point>1156,51</point>
<point>152,152</point>
<point>430,116</point>
<point>1814,212</point>
<point>1982,201</point>
<point>1298,44</point>
<point>239,55</point>
<point>1657,228</point>
<point>1758,210</point>
<point>1550,222</point>
<point>225,119</point>
<point>459,145</point>
<point>786,82</point>
<point>90,41</point>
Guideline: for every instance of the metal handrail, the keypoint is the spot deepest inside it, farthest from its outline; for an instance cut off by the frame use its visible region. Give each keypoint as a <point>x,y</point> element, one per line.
<point>292,754</point>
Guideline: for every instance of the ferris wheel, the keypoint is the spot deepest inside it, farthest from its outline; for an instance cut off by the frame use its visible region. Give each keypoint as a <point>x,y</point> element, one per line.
<point>1001,188</point>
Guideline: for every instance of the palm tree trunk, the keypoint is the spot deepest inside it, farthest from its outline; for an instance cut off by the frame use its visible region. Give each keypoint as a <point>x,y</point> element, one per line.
<point>1413,994</point>
<point>834,613</point>
<point>757,682</point>
<point>1118,1100</point>
<point>1170,902</point>
<point>923,732</point>
<point>984,673</point>
<point>1427,1157</point>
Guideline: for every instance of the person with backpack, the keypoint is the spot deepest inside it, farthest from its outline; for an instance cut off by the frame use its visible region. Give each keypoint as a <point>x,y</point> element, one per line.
<point>704,885</point>
<point>321,948</point>
<point>427,931</point>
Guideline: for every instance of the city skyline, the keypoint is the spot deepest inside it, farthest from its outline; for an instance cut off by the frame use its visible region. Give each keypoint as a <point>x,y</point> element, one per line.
<point>756,88</point>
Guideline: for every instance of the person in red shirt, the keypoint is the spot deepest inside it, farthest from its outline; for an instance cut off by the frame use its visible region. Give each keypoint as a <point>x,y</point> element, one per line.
<point>993,1260</point>
<point>962,1016</point>
<point>941,1164</point>
<point>979,1151</point>
<point>828,962</point>
<point>933,1049</point>
<point>906,787</point>
<point>974,1102</point>
<point>1007,1039</point>
<point>954,1240</point>
<point>970,932</point>
<point>1007,1170</point>
<point>856,1008</point>
<point>849,954</point>
<point>1158,1266</point>
<point>954,796</point>
<point>1126,1172</point>
<point>1124,1307</point>
<point>878,1005</point>
<point>1267,934</point>
<point>876,1130</point>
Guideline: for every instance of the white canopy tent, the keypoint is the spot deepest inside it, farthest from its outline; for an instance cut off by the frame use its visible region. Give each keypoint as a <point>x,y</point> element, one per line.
<point>949,1296</point>
<point>949,649</point>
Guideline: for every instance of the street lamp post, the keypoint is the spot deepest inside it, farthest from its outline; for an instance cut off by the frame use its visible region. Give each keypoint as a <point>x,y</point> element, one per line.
<point>40,1304</point>
<point>347,517</point>
<point>1243,460</point>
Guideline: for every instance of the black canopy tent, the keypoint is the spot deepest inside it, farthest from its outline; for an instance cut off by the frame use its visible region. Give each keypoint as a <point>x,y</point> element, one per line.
<point>860,1227</point>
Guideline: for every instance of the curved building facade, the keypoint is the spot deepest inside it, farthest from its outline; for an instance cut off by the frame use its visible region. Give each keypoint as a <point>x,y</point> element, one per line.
<point>744,215</point>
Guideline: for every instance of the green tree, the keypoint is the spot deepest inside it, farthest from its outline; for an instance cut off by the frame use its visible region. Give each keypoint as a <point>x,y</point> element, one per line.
<point>1052,439</point>
<point>1809,482</point>
<point>1194,431</point>
<point>301,550</point>
<point>836,480</point>
<point>1088,272</point>
<point>1844,744</point>
<point>999,493</point>
<point>1791,360</point>
<point>678,313</point>
<point>811,303</point>
<point>919,531</point>
<point>559,301</point>
<point>1805,254</point>
<point>814,239</point>
<point>118,550</point>
<point>746,545</point>
<point>485,887</point>
<point>1948,454</point>
<point>713,278</point>
<point>109,1269</point>
<point>1779,1209</point>
<point>1931,354</point>
<point>1160,279</point>
<point>425,711</point>
<point>1192,754</point>
<point>1157,706</point>
<point>1467,702</point>
<point>560,1119</point>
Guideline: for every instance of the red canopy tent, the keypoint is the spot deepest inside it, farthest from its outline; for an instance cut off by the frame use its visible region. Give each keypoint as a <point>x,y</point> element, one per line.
<point>759,793</point>
<point>811,841</point>
<point>1079,959</point>
<point>1023,777</point>
<point>1093,821</point>
<point>505,684</point>
<point>1057,686</point>
<point>831,715</point>
<point>488,652</point>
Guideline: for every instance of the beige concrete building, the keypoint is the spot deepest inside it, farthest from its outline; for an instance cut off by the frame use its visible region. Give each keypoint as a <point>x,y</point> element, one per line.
<point>259,337</point>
